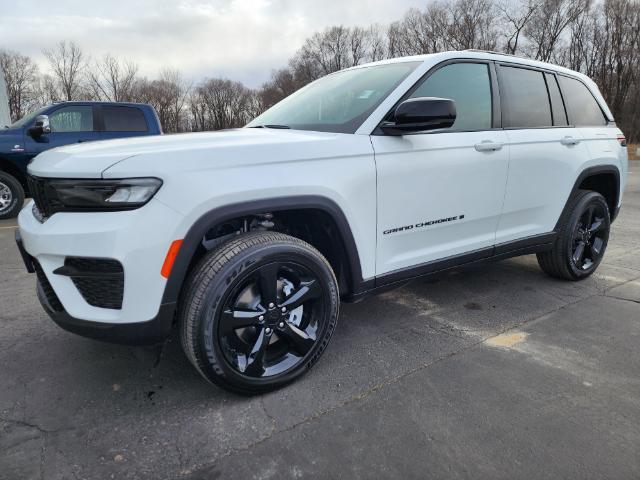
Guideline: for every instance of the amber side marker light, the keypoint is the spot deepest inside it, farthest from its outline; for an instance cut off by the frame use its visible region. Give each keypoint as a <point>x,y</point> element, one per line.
<point>170,258</point>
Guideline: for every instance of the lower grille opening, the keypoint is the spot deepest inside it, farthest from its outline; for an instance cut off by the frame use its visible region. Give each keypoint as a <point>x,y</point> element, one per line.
<point>100,281</point>
<point>52,298</point>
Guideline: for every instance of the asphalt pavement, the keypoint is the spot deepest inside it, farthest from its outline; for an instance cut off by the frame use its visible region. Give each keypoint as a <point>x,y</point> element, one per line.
<point>495,371</point>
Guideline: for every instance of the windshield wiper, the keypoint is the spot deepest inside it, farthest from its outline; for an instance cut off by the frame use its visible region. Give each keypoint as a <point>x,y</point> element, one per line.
<point>281,127</point>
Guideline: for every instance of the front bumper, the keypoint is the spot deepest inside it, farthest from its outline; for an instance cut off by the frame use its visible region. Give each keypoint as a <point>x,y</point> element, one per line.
<point>138,239</point>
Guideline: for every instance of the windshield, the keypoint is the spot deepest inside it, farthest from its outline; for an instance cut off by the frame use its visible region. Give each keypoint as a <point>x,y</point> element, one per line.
<point>28,118</point>
<point>339,102</point>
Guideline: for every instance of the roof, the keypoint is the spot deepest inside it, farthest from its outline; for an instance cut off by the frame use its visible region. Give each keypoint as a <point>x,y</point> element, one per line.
<point>96,102</point>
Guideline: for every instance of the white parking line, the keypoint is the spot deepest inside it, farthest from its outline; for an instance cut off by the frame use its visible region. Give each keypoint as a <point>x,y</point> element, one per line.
<point>6,228</point>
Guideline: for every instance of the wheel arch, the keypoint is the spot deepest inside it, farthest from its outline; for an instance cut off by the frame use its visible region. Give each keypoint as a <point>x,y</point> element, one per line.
<point>9,167</point>
<point>188,253</point>
<point>604,179</point>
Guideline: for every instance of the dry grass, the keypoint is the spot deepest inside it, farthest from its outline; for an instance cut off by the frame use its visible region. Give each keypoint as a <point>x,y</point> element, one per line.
<point>634,151</point>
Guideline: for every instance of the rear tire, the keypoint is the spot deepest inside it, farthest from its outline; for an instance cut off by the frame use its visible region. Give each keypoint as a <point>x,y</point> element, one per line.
<point>11,196</point>
<point>258,312</point>
<point>583,234</point>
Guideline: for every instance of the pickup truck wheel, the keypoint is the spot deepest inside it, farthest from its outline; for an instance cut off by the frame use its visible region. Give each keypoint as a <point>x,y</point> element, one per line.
<point>11,196</point>
<point>583,235</point>
<point>258,312</point>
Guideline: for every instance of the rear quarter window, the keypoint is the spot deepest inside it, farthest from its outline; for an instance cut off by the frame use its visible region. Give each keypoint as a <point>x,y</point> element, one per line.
<point>123,119</point>
<point>583,108</point>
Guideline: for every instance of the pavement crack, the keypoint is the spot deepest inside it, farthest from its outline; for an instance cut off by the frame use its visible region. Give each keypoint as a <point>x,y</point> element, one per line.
<point>621,298</point>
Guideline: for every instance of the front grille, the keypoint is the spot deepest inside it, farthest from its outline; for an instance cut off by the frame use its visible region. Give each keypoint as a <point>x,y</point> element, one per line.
<point>52,298</point>
<point>44,196</point>
<point>100,281</point>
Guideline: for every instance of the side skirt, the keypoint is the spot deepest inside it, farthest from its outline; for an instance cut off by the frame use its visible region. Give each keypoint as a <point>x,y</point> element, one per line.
<point>398,278</point>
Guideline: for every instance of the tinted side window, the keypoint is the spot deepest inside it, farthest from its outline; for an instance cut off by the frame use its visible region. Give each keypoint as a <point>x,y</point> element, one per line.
<point>526,102</point>
<point>469,86</point>
<point>583,108</point>
<point>123,119</point>
<point>557,107</point>
<point>75,118</point>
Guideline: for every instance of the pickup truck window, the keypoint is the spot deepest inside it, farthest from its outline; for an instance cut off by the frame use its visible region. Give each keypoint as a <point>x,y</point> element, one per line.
<point>27,119</point>
<point>123,119</point>
<point>75,118</point>
<point>339,102</point>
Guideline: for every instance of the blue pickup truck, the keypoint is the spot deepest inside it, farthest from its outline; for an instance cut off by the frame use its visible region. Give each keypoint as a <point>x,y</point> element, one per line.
<point>62,124</point>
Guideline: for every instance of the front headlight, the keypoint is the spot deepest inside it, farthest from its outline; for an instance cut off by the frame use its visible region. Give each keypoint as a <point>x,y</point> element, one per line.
<point>116,194</point>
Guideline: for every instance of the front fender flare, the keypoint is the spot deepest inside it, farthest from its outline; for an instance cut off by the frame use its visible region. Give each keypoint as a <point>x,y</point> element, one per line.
<point>197,231</point>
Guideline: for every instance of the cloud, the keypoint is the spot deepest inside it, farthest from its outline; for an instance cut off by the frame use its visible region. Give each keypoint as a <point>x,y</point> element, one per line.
<point>238,39</point>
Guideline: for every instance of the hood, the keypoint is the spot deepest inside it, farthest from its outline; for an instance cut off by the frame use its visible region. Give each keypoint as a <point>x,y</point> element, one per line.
<point>156,155</point>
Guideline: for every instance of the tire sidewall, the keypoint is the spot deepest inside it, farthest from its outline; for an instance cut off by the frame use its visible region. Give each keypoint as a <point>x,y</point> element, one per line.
<point>213,361</point>
<point>591,198</point>
<point>17,193</point>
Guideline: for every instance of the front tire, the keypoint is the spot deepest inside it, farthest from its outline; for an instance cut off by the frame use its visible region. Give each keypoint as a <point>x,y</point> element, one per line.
<point>258,312</point>
<point>583,234</point>
<point>11,196</point>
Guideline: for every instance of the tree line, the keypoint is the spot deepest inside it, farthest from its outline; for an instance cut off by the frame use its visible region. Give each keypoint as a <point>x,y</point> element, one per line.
<point>599,39</point>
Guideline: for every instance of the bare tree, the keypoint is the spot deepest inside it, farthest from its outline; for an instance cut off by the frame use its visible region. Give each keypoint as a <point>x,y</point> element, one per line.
<point>67,63</point>
<point>547,24</point>
<point>20,74</point>
<point>472,25</point>
<point>168,95</point>
<point>217,104</point>
<point>515,19</point>
<point>113,80</point>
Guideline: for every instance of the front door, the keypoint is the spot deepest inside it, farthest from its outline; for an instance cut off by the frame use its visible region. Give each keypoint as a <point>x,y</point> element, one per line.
<point>440,193</point>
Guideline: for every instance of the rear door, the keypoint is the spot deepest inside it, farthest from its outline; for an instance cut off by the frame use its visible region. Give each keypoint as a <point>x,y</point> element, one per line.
<point>600,138</point>
<point>544,153</point>
<point>120,121</point>
<point>69,124</point>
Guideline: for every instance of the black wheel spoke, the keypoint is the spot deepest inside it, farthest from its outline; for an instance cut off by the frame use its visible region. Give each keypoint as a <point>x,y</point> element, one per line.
<point>578,252</point>
<point>588,216</point>
<point>255,359</point>
<point>597,225</point>
<point>297,338</point>
<point>260,334</point>
<point>307,291</point>
<point>268,282</point>
<point>596,247</point>
<point>234,319</point>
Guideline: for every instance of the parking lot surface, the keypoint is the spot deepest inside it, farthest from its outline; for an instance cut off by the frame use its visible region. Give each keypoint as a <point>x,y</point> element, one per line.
<point>495,371</point>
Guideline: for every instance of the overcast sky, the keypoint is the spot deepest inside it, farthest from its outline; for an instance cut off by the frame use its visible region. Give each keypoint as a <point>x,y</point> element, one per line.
<point>238,39</point>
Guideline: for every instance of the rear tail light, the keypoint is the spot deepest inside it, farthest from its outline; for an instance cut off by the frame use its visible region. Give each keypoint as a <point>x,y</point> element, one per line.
<point>622,140</point>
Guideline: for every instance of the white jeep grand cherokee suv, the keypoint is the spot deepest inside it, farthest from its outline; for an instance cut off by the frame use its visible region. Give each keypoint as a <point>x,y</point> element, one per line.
<point>248,239</point>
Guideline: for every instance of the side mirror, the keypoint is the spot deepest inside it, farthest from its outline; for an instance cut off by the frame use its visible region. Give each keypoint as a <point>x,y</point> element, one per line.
<point>41,127</point>
<point>420,114</point>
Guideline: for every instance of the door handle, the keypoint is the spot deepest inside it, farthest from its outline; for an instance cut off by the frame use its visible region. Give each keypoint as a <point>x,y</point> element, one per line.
<point>569,141</point>
<point>488,146</point>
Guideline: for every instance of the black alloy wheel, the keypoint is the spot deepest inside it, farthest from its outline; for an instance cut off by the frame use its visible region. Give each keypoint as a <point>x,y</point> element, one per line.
<point>258,311</point>
<point>582,237</point>
<point>270,319</point>
<point>590,237</point>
